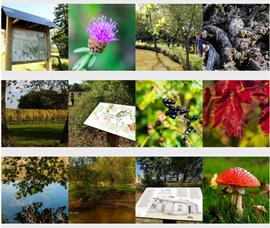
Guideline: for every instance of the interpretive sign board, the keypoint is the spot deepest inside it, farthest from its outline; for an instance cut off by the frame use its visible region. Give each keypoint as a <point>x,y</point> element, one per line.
<point>170,204</point>
<point>114,118</point>
<point>28,45</point>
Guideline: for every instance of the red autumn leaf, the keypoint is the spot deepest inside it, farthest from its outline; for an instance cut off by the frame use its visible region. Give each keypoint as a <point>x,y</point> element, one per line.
<point>240,86</point>
<point>229,109</point>
<point>265,119</point>
<point>206,110</point>
<point>261,94</point>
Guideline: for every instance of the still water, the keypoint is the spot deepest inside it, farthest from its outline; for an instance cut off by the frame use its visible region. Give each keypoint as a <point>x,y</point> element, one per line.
<point>102,214</point>
<point>153,61</point>
<point>53,196</point>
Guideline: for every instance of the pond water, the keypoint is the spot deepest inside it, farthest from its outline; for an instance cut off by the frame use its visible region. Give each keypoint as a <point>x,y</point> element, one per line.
<point>53,196</point>
<point>102,214</point>
<point>153,61</point>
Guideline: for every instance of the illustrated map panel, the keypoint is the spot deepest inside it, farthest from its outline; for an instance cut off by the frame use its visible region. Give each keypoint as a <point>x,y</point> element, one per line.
<point>114,118</point>
<point>28,45</point>
<point>170,203</point>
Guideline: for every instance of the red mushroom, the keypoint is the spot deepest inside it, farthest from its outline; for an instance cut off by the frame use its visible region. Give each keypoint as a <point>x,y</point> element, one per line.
<point>237,178</point>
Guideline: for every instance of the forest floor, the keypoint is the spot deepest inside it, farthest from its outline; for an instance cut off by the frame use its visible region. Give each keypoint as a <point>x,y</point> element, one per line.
<point>91,137</point>
<point>48,135</point>
<point>39,66</point>
<point>194,59</point>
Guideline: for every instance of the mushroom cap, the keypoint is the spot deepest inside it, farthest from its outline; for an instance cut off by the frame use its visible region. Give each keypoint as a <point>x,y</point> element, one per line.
<point>238,177</point>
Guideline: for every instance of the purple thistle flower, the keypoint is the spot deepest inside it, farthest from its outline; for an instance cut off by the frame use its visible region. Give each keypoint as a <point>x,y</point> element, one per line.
<point>102,31</point>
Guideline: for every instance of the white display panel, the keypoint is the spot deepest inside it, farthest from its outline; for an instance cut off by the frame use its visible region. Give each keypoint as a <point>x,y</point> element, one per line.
<point>114,118</point>
<point>170,203</point>
<point>28,45</point>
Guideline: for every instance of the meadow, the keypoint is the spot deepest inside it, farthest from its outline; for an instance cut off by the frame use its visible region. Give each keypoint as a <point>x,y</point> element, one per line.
<point>35,127</point>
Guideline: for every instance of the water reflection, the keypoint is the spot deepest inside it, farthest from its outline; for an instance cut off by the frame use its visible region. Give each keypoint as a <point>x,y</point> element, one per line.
<point>153,61</point>
<point>53,197</point>
<point>102,214</point>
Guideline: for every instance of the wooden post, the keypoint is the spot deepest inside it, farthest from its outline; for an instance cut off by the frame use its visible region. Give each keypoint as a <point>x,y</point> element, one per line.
<point>168,221</point>
<point>112,140</point>
<point>48,61</point>
<point>8,54</point>
<point>195,48</point>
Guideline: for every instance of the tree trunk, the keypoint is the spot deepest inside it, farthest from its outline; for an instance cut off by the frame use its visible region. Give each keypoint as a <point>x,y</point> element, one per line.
<point>187,55</point>
<point>5,138</point>
<point>64,139</point>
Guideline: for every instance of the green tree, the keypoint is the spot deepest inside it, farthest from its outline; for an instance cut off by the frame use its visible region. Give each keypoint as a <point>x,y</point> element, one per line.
<point>44,99</point>
<point>60,38</point>
<point>186,18</point>
<point>76,87</point>
<point>84,178</point>
<point>36,173</point>
<point>117,170</point>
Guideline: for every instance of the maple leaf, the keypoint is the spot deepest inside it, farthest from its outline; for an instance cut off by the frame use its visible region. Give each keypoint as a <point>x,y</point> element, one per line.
<point>229,109</point>
<point>240,86</point>
<point>265,119</point>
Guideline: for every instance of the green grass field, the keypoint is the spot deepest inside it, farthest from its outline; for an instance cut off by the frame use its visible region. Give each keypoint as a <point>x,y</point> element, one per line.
<point>36,135</point>
<point>216,203</point>
<point>195,60</point>
<point>39,66</point>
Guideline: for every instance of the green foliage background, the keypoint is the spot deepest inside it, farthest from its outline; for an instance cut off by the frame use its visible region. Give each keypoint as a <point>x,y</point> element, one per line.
<point>216,205</point>
<point>118,55</point>
<point>149,105</point>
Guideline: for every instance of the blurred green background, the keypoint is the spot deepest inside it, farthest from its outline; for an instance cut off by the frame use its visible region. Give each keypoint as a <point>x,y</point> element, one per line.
<point>252,136</point>
<point>149,105</point>
<point>118,55</point>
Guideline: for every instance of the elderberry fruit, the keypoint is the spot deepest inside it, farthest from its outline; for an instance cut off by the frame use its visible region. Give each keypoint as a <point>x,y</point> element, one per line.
<point>195,117</point>
<point>183,142</point>
<point>150,127</point>
<point>182,111</point>
<point>189,130</point>
<point>191,118</point>
<point>201,122</point>
<point>172,108</point>
<point>165,100</point>
<point>188,123</point>
<point>187,110</point>
<point>186,132</point>
<point>169,101</point>
<point>186,116</point>
<point>161,139</point>
<point>173,116</point>
<point>185,138</point>
<point>167,105</point>
<point>158,123</point>
<point>178,108</point>
<point>173,101</point>
<point>167,113</point>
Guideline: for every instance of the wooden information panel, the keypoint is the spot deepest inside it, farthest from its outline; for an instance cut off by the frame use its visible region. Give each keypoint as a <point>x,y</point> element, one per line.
<point>28,45</point>
<point>114,118</point>
<point>170,204</point>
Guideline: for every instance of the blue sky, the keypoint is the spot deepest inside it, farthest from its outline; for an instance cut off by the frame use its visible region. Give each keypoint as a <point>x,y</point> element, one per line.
<point>138,170</point>
<point>71,82</point>
<point>41,10</point>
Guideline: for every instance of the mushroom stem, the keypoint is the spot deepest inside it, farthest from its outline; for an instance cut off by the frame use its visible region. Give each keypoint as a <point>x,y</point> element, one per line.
<point>237,193</point>
<point>237,200</point>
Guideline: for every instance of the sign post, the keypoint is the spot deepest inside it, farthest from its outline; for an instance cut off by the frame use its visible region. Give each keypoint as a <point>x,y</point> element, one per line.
<point>116,120</point>
<point>27,38</point>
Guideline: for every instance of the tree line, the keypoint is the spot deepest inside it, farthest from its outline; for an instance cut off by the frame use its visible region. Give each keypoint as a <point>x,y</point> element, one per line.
<point>157,170</point>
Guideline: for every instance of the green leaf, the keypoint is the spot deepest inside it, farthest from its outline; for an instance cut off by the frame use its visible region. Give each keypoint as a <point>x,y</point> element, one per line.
<point>92,60</point>
<point>82,49</point>
<point>81,62</point>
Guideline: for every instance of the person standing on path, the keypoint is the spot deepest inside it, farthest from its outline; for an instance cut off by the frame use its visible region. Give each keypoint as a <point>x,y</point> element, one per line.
<point>200,44</point>
<point>72,98</point>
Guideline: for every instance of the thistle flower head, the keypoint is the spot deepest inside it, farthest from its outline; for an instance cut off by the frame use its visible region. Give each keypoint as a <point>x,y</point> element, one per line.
<point>102,31</point>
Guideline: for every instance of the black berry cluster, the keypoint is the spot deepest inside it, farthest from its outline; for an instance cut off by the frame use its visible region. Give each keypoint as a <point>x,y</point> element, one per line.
<point>174,111</point>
